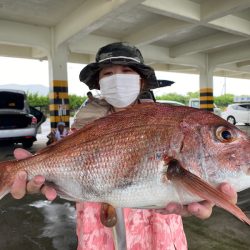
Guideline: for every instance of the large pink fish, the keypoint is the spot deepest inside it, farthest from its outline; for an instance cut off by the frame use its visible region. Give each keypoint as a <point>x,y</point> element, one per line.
<point>144,157</point>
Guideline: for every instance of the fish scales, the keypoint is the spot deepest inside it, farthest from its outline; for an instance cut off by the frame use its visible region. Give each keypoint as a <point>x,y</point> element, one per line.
<point>123,159</point>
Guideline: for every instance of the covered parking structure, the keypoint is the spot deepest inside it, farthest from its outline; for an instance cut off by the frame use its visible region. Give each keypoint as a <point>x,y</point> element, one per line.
<point>206,37</point>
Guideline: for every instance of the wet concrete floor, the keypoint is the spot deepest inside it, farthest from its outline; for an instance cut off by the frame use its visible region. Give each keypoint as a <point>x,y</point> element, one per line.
<point>36,224</point>
<point>33,223</point>
<point>222,231</point>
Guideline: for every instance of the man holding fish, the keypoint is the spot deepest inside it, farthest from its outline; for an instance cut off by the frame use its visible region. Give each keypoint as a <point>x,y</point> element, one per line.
<point>121,75</point>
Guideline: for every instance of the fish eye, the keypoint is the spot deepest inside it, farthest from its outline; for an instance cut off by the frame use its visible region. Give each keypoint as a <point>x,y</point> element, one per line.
<point>224,134</point>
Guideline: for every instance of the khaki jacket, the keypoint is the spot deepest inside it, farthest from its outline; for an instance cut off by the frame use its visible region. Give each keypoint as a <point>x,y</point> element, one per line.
<point>91,112</point>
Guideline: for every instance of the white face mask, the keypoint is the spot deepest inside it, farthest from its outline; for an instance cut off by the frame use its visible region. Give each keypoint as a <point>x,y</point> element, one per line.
<point>120,90</point>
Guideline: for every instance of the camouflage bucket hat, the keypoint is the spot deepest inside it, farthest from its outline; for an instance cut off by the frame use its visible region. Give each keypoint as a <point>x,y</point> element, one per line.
<point>118,54</point>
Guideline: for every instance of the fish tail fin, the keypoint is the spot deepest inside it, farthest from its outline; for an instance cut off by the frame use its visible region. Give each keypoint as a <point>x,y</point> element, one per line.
<point>197,186</point>
<point>6,178</point>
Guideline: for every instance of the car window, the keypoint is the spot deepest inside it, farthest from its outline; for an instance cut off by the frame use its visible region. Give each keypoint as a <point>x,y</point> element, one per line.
<point>196,104</point>
<point>170,102</point>
<point>243,107</point>
<point>9,100</point>
<point>38,114</point>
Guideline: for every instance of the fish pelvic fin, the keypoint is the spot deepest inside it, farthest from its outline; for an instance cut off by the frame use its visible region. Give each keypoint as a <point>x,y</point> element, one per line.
<point>108,215</point>
<point>6,179</point>
<point>204,190</point>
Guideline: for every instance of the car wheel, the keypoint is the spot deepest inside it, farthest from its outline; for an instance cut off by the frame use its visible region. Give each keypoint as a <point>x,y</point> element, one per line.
<point>231,120</point>
<point>27,144</point>
<point>247,124</point>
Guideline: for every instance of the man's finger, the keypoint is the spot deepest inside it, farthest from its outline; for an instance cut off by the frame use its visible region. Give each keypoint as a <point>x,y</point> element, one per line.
<point>202,210</point>
<point>174,208</point>
<point>227,189</point>
<point>20,153</point>
<point>49,192</point>
<point>18,189</point>
<point>35,184</point>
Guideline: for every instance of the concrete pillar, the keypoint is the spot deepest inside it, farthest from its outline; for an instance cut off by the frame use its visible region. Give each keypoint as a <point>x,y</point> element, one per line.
<point>59,99</point>
<point>206,88</point>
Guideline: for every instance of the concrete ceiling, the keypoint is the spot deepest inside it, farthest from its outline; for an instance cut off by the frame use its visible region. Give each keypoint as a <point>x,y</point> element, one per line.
<point>173,35</point>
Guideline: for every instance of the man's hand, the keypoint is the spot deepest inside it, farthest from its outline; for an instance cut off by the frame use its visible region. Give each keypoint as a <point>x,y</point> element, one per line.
<point>201,210</point>
<point>21,186</point>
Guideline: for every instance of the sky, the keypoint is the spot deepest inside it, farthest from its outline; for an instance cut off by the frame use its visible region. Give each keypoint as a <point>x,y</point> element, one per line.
<point>27,71</point>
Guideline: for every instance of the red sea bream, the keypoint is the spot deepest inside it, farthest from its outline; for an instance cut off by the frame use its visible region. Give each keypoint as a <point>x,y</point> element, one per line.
<point>144,157</point>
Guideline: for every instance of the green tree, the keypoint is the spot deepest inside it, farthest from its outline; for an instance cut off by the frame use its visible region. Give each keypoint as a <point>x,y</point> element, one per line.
<point>193,95</point>
<point>76,101</point>
<point>223,100</point>
<point>37,100</point>
<point>172,97</point>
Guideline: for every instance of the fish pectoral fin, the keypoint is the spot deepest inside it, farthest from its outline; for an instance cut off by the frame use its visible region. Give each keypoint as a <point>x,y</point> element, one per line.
<point>204,190</point>
<point>108,215</point>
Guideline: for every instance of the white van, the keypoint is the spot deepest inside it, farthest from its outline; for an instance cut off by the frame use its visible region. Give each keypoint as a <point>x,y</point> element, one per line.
<point>195,103</point>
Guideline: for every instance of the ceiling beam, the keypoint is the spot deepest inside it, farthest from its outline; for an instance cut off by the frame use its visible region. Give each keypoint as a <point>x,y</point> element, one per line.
<point>156,54</point>
<point>89,17</point>
<point>232,24</point>
<point>25,35</point>
<point>39,54</point>
<point>157,31</point>
<point>228,67</point>
<point>174,68</point>
<point>205,43</point>
<point>90,44</point>
<point>151,53</point>
<point>15,51</point>
<point>223,73</point>
<point>230,55</point>
<point>243,63</point>
<point>180,68</point>
<point>234,68</point>
<point>214,9</point>
<point>180,9</point>
<point>79,58</point>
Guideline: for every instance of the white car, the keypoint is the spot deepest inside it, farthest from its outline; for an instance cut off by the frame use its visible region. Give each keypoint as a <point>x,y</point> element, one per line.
<point>171,102</point>
<point>19,122</point>
<point>195,103</point>
<point>237,113</point>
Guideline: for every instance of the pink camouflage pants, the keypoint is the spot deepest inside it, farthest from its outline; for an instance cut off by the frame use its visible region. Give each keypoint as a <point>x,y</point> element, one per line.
<point>145,230</point>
